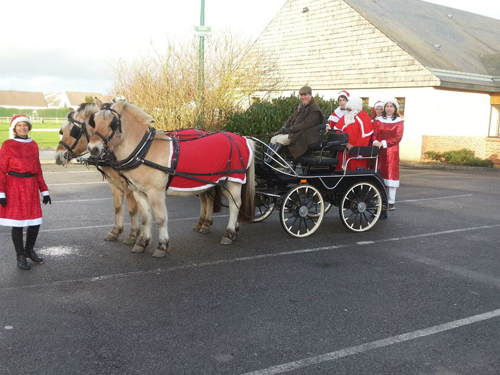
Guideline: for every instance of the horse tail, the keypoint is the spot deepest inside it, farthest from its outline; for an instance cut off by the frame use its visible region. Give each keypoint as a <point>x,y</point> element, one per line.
<point>217,198</point>
<point>247,209</point>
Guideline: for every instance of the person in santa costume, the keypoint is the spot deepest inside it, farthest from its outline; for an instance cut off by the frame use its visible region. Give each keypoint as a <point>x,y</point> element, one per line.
<point>388,132</point>
<point>21,180</point>
<point>336,115</point>
<point>358,125</point>
<point>377,110</point>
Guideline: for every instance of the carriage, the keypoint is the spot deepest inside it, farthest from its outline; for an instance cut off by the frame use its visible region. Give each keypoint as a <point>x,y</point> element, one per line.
<point>303,190</point>
<point>145,162</point>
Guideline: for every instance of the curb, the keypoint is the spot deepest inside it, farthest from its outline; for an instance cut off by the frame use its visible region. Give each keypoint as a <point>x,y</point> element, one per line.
<point>445,167</point>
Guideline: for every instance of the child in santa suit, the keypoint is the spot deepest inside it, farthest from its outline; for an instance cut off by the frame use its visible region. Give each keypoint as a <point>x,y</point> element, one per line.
<point>388,132</point>
<point>358,125</point>
<point>21,180</point>
<point>336,115</point>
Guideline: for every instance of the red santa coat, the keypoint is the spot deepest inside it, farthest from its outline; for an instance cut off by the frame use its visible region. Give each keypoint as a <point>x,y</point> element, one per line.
<point>390,133</point>
<point>335,117</point>
<point>360,133</point>
<point>22,193</point>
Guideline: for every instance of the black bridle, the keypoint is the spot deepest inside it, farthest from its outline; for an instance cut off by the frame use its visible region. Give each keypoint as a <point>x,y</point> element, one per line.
<point>76,132</point>
<point>115,125</point>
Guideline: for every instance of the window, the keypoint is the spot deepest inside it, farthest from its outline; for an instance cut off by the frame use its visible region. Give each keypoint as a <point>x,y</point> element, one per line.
<point>402,103</point>
<point>365,102</point>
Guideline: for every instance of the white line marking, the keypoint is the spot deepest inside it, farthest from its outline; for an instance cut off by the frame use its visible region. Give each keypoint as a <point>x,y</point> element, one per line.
<point>83,200</point>
<point>332,356</point>
<point>65,172</point>
<point>436,198</point>
<point>108,225</point>
<point>79,183</point>
<point>228,261</point>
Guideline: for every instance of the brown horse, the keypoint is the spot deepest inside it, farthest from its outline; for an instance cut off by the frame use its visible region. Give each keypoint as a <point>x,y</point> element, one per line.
<point>75,137</point>
<point>120,130</point>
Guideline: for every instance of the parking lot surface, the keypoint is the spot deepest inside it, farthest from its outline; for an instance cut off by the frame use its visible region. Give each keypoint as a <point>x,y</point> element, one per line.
<point>417,294</point>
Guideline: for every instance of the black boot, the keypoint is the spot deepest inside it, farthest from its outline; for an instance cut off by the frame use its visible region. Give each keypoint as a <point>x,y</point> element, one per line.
<point>17,238</point>
<point>31,236</point>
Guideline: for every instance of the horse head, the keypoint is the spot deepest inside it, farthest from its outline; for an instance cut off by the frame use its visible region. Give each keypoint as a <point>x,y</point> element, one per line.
<point>75,134</point>
<point>107,127</point>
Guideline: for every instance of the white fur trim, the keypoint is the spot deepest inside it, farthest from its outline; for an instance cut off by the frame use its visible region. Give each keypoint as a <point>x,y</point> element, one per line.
<point>391,183</point>
<point>363,134</point>
<point>20,223</point>
<point>389,120</point>
<point>339,112</point>
<point>378,104</point>
<point>2,195</point>
<point>27,140</point>
<point>384,143</point>
<point>45,193</point>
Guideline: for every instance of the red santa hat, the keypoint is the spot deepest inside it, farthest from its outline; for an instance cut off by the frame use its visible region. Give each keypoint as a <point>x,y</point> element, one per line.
<point>378,103</point>
<point>344,94</point>
<point>20,118</point>
<point>393,101</point>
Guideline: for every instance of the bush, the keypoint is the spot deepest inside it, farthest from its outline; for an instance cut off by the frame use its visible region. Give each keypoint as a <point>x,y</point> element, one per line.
<point>459,157</point>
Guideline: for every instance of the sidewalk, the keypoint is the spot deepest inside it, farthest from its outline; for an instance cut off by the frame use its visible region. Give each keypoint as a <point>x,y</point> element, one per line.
<point>409,165</point>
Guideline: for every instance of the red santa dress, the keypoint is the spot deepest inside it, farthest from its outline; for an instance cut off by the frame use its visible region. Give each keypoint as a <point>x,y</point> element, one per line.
<point>360,132</point>
<point>335,117</point>
<point>22,193</point>
<point>390,133</point>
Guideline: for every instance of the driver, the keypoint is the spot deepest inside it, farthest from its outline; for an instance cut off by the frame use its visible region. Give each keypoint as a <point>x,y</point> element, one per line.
<point>300,129</point>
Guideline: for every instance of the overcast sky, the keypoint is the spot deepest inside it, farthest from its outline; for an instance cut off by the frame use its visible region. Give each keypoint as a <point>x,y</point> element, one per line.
<point>69,45</point>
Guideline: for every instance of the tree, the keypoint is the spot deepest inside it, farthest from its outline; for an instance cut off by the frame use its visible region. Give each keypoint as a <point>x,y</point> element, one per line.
<point>89,99</point>
<point>166,84</point>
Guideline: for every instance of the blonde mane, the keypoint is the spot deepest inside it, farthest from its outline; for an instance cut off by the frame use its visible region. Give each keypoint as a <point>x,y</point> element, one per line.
<point>137,114</point>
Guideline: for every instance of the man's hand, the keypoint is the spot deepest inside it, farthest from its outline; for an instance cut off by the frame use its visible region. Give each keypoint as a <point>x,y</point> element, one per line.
<point>378,144</point>
<point>3,202</point>
<point>46,199</point>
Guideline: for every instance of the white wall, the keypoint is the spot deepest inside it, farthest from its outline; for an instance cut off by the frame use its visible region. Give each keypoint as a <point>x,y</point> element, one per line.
<point>430,111</point>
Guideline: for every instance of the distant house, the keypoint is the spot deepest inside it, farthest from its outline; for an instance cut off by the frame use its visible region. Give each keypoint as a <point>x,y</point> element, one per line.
<point>70,99</point>
<point>22,100</point>
<point>442,64</point>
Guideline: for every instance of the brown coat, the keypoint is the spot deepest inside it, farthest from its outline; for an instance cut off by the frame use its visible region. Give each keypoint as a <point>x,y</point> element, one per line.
<point>301,127</point>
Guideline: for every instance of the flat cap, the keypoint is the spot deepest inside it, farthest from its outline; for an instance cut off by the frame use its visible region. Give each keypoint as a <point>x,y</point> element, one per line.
<point>305,90</point>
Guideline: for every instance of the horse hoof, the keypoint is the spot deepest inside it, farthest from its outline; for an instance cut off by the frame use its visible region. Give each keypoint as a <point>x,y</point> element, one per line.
<point>159,253</point>
<point>111,237</point>
<point>130,240</point>
<point>205,230</point>
<point>138,249</point>
<point>197,228</point>
<point>226,241</point>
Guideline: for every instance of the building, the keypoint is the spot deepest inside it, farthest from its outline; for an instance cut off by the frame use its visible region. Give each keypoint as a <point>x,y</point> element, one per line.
<point>442,64</point>
<point>70,99</point>
<point>22,100</point>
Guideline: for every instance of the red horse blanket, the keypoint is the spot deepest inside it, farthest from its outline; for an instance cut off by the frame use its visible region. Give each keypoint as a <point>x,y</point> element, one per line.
<point>212,158</point>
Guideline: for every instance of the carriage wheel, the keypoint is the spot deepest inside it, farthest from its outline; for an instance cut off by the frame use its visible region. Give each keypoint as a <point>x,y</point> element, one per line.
<point>361,207</point>
<point>302,211</point>
<point>264,207</point>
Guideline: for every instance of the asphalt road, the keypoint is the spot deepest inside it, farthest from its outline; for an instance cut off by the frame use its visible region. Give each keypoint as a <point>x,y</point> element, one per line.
<point>418,294</point>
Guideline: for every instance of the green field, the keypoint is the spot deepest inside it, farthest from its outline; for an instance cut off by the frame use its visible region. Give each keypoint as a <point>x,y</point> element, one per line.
<point>45,140</point>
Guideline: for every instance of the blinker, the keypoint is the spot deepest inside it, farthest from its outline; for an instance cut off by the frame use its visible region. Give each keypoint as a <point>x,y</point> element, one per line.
<point>91,121</point>
<point>75,132</point>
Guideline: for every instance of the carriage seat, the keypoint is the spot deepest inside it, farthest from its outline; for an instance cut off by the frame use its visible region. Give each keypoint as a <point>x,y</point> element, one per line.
<point>366,151</point>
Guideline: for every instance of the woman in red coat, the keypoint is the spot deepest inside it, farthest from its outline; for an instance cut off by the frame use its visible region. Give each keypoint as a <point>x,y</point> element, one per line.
<point>388,132</point>
<point>21,180</point>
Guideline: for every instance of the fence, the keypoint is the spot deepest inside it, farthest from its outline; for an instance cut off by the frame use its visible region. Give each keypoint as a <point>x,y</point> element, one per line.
<point>38,120</point>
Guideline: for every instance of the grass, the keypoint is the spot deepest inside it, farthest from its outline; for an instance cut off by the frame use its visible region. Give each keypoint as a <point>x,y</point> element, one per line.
<point>45,140</point>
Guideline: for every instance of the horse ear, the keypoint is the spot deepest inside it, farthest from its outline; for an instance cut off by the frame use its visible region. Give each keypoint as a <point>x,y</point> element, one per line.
<point>98,102</point>
<point>91,120</point>
<point>118,107</point>
<point>70,114</point>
